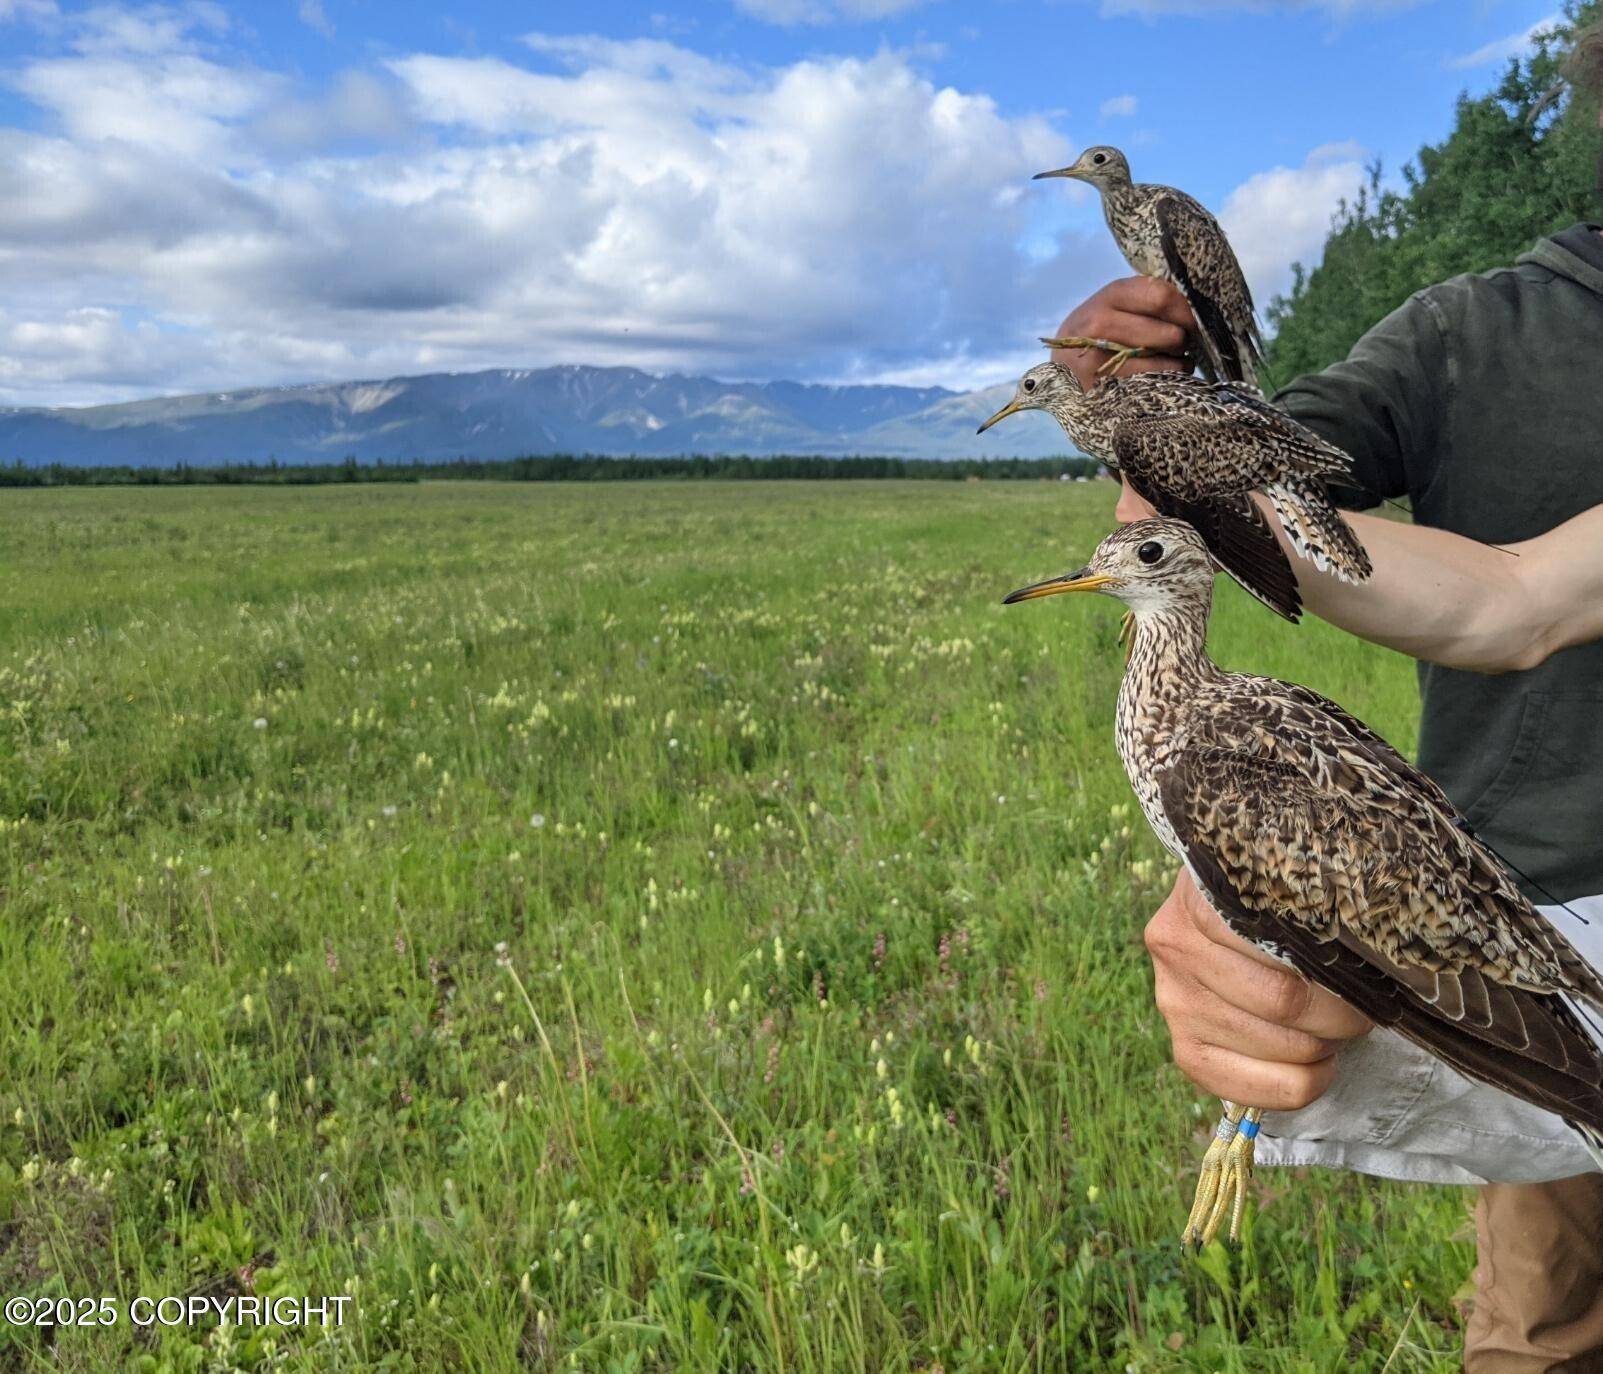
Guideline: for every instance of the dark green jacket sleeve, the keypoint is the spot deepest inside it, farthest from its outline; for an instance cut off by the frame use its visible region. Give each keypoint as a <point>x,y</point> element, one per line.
<point>1384,404</point>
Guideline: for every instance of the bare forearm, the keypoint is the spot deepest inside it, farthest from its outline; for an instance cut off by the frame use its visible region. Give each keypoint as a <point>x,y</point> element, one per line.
<point>1450,600</point>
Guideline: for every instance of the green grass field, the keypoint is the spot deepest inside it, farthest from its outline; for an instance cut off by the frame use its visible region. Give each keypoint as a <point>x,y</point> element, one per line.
<point>648,927</point>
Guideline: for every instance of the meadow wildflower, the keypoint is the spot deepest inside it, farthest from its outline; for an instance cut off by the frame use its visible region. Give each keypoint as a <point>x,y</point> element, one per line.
<point>802,1261</point>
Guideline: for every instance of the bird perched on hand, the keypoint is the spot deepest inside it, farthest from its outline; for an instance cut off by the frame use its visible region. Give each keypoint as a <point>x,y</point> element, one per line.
<point>1319,843</point>
<point>1195,450</point>
<point>1167,234</point>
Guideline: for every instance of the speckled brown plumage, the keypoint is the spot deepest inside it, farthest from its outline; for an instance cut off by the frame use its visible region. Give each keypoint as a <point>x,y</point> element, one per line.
<point>1167,234</point>
<point>1194,450</point>
<point>1316,841</point>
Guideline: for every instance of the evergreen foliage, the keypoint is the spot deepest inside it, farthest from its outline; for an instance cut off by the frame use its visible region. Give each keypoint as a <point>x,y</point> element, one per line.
<point>555,468</point>
<point>1519,163</point>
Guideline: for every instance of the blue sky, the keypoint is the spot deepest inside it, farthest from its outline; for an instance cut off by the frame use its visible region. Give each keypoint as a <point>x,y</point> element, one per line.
<point>208,195</point>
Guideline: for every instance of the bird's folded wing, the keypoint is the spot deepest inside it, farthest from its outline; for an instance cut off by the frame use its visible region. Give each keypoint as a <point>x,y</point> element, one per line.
<point>1427,868</point>
<point>1220,443</point>
<point>1205,269</point>
<point>1360,737</point>
<point>1365,896</point>
<point>1239,538</point>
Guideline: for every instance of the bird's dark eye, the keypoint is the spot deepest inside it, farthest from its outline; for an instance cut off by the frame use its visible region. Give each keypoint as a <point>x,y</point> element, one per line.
<point>1029,383</point>
<point>1100,158</point>
<point>1150,552</point>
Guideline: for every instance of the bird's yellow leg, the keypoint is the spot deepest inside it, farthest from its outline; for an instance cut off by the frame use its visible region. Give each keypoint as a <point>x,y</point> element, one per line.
<point>1120,354</point>
<point>1211,1173</point>
<point>1235,1179</point>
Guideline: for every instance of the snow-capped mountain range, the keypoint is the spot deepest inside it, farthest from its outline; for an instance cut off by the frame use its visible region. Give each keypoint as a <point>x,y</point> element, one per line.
<point>509,413</point>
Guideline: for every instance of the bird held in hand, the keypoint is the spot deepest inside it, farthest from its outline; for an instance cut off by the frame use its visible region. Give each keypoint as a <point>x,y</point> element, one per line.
<point>1317,842</point>
<point>1167,234</point>
<point>1195,450</point>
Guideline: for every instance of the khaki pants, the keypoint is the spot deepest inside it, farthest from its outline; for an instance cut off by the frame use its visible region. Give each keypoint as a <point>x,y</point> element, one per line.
<point>1539,1283</point>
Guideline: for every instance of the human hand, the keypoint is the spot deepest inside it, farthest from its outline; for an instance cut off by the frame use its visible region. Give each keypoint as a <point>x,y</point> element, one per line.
<point>1243,1026</point>
<point>1131,506</point>
<point>1137,312</point>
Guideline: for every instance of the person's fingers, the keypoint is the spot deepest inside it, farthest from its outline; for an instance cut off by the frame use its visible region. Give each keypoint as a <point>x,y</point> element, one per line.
<point>1254,1082</point>
<point>1196,1012</point>
<point>1274,995</point>
<point>1148,296</point>
<point>1215,977</point>
<point>1242,1026</point>
<point>1143,296</point>
<point>1134,312</point>
<point>1199,911</point>
<point>1127,329</point>
<point>1243,975</point>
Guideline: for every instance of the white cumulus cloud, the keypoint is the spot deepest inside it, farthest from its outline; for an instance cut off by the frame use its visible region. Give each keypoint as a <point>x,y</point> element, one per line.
<point>174,217</point>
<point>790,12</point>
<point>177,218</point>
<point>1119,107</point>
<point>1501,49</point>
<point>1281,216</point>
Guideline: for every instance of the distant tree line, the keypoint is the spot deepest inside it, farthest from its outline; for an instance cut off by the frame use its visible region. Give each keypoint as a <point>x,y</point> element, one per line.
<point>1519,163</point>
<point>555,468</point>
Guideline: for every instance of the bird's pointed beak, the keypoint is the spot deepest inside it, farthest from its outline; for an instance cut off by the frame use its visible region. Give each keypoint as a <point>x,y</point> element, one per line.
<point>1068,172</point>
<point>1082,581</point>
<point>1012,407</point>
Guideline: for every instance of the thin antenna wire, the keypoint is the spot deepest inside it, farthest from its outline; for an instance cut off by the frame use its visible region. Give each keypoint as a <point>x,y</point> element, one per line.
<point>1519,872</point>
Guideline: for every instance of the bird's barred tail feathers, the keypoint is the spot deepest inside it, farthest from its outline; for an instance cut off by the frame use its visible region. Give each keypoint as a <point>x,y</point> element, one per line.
<point>1317,531</point>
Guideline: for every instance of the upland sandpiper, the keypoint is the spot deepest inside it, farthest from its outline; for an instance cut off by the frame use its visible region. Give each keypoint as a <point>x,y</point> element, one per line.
<point>1167,234</point>
<point>1319,843</point>
<point>1195,450</point>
